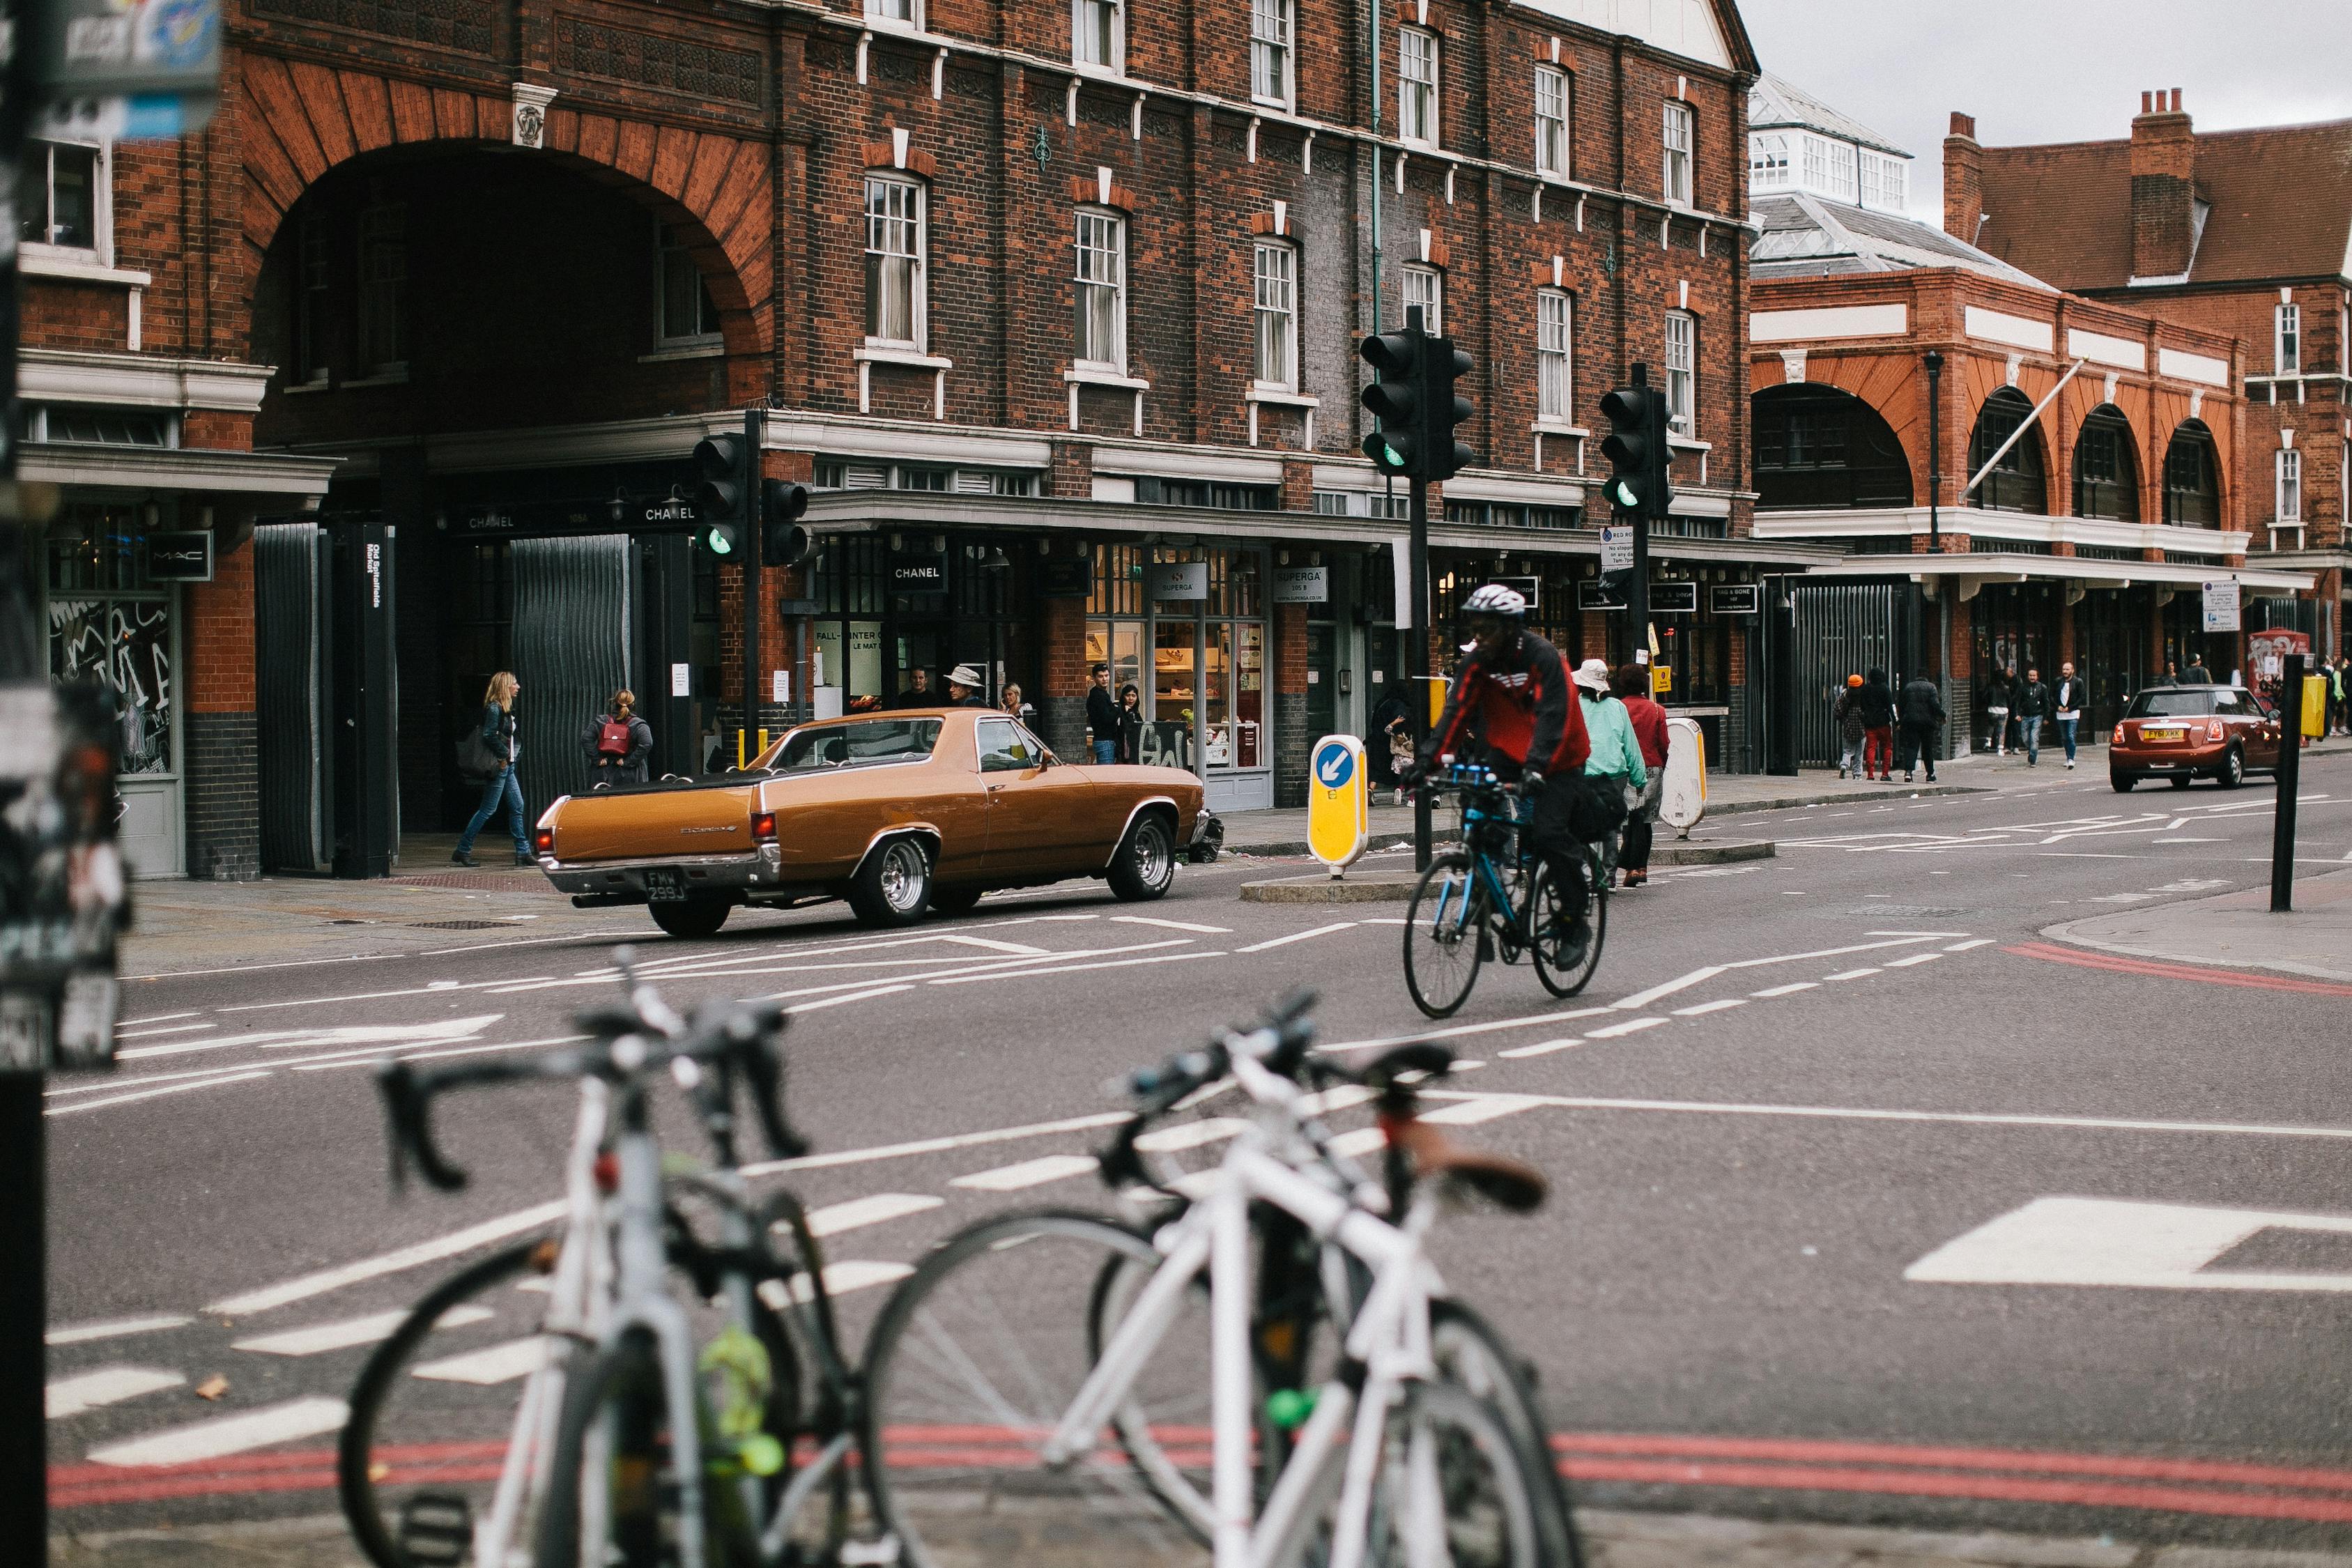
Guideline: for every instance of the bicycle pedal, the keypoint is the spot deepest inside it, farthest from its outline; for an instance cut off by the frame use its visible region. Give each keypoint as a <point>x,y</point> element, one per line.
<point>882,1553</point>
<point>436,1529</point>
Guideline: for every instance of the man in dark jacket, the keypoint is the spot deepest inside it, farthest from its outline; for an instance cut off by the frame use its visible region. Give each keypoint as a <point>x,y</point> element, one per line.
<point>2198,674</point>
<point>2032,703</point>
<point>1922,714</point>
<point>1102,716</point>
<point>1877,702</point>
<point>920,694</point>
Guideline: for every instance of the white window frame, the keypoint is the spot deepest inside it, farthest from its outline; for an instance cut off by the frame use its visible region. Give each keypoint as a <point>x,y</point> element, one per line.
<point>1678,136</point>
<point>663,338</point>
<point>1768,162</point>
<point>1418,107</point>
<point>1844,182</point>
<point>1425,286</point>
<point>1682,374</point>
<point>1555,356</point>
<point>101,250</point>
<point>1089,255</point>
<point>1274,293</point>
<point>887,14</point>
<point>2289,491</point>
<point>918,305</point>
<point>1553,149</point>
<point>1079,32</point>
<point>2286,340</point>
<point>1274,52</point>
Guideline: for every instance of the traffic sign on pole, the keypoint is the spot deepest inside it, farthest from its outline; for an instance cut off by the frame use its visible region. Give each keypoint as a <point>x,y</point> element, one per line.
<point>1338,802</point>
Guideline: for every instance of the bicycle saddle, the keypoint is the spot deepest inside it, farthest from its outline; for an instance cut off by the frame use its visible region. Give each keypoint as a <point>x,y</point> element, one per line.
<point>1506,1182</point>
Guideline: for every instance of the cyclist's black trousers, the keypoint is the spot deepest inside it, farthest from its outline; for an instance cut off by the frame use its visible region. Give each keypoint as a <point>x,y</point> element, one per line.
<point>1552,838</point>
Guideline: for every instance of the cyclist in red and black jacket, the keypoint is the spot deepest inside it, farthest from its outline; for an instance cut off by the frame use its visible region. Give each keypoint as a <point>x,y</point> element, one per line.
<point>1515,695</point>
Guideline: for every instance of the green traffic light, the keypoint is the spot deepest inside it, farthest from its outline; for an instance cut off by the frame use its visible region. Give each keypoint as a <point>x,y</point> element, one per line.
<point>1624,494</point>
<point>717,542</point>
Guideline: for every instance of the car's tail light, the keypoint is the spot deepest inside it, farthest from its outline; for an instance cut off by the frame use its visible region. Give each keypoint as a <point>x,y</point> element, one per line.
<point>545,839</point>
<point>763,826</point>
<point>2213,730</point>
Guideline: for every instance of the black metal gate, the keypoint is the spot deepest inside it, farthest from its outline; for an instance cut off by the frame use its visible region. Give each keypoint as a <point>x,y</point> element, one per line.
<point>293,742</point>
<point>571,653</point>
<point>1842,628</point>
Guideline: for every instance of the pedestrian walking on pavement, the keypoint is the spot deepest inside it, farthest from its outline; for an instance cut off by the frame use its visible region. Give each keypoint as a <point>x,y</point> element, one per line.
<point>2067,703</point>
<point>1130,725</point>
<point>1877,703</point>
<point>1922,714</point>
<point>499,785</point>
<point>2335,695</point>
<point>1996,698</point>
<point>1649,721</point>
<point>1390,745</point>
<point>1615,760</point>
<point>2171,674</point>
<point>618,744</point>
<point>2031,701</point>
<point>2198,674</point>
<point>1102,716</point>
<point>1847,715</point>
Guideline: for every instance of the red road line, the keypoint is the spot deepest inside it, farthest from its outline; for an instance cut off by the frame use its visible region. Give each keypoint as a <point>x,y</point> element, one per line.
<point>1930,1483</point>
<point>2076,956</point>
<point>2219,1472</point>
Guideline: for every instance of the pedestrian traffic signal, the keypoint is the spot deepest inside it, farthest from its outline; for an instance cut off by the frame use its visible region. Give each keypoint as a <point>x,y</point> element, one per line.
<point>783,541</point>
<point>1395,399</point>
<point>1637,451</point>
<point>723,466</point>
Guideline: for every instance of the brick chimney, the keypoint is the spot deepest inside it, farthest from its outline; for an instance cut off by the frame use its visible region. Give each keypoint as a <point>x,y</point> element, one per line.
<point>2163,187</point>
<point>1963,180</point>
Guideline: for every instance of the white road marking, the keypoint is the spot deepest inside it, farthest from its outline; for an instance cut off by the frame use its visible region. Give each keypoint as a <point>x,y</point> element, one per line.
<point>224,1435</point>
<point>1535,1021</point>
<point>321,1338</point>
<point>1471,1112</point>
<point>1721,1005</point>
<point>2184,838</point>
<point>1971,944</point>
<point>840,1280</point>
<point>1789,990</point>
<point>115,1327</point>
<point>2121,899</point>
<point>1189,1135</point>
<point>368,1056</point>
<point>289,963</point>
<point>1170,925</point>
<point>158,1018</point>
<point>873,1209</point>
<point>1630,1025</point>
<point>799,1007</point>
<point>1023,949</point>
<point>1073,968</point>
<point>105,1385</point>
<point>934,1145</point>
<point>1683,982</point>
<point>1680,983</point>
<point>1384,921</point>
<point>172,1030</point>
<point>431,988</point>
<point>1034,1173</point>
<point>2108,1241</point>
<point>1850,973</point>
<point>438,1031</point>
<point>1297,936</point>
<point>1913,958</point>
<point>490,1365</point>
<point>1545,1049</point>
<point>2080,855</point>
<point>153,1093</point>
<point>1362,1141</point>
<point>308,1285</point>
<point>1336,1098</point>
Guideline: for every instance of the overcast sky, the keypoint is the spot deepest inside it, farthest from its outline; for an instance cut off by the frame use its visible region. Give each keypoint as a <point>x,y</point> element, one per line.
<point>2043,70</point>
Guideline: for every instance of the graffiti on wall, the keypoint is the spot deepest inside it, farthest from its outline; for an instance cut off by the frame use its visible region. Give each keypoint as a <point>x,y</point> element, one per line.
<point>126,644</point>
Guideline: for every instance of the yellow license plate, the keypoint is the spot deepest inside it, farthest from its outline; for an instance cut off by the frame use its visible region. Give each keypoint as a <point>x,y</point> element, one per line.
<point>2162,735</point>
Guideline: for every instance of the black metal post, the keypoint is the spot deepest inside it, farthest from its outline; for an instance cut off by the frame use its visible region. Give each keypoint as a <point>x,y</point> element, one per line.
<point>754,430</point>
<point>1417,662</point>
<point>1637,592</point>
<point>2290,774</point>
<point>1935,364</point>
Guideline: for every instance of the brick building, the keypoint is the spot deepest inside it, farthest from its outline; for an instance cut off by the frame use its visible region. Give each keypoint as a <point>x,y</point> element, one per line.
<point>2020,477</point>
<point>2245,234</point>
<point>1054,303</point>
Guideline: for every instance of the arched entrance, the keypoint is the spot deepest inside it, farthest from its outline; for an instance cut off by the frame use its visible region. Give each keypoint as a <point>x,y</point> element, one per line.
<point>2020,482</point>
<point>2106,475</point>
<point>1822,447</point>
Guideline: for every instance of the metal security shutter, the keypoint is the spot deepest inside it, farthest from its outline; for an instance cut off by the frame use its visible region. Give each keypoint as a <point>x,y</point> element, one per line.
<point>1843,628</point>
<point>288,631</point>
<point>571,654</point>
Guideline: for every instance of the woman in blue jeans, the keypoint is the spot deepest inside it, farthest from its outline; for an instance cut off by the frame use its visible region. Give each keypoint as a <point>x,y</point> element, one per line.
<point>498,733</point>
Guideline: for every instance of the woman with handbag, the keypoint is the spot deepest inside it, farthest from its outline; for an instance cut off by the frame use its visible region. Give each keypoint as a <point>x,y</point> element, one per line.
<point>1616,760</point>
<point>497,750</point>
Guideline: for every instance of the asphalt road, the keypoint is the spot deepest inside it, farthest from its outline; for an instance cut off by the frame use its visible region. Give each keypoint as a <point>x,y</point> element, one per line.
<point>1791,1084</point>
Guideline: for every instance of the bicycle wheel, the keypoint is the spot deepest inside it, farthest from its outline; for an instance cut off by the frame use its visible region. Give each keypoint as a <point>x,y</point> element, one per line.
<point>971,1363</point>
<point>436,1406</point>
<point>1559,977</point>
<point>1471,1354</point>
<point>1445,935</point>
<point>1452,1487</point>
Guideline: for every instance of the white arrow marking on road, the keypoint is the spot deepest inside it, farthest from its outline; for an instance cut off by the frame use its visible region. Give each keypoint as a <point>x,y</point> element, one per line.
<point>115,1327</point>
<point>226,1435</point>
<point>835,1218</point>
<point>1027,1174</point>
<point>490,1365</point>
<point>2108,1241</point>
<point>320,1338</point>
<point>105,1385</point>
<point>1297,936</point>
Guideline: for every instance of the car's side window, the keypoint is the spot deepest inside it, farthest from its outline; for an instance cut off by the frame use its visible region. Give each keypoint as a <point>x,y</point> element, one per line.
<point>1004,748</point>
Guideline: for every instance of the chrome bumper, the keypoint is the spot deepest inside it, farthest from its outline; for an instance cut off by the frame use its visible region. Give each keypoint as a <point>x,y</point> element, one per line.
<point>623,882</point>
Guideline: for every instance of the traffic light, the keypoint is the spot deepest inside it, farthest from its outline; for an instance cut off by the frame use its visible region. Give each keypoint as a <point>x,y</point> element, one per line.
<point>1395,398</point>
<point>1637,451</point>
<point>723,496</point>
<point>1445,409</point>
<point>783,541</point>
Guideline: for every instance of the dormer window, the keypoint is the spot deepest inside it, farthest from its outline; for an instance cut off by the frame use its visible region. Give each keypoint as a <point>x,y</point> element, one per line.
<point>1768,162</point>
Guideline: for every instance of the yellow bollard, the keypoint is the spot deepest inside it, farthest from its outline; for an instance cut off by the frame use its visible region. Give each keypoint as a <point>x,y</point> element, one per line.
<point>763,745</point>
<point>2314,705</point>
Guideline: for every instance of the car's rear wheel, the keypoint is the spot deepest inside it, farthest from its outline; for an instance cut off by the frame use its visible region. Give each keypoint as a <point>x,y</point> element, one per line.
<point>691,917</point>
<point>893,884</point>
<point>955,901</point>
<point>1145,863</point>
<point>2123,781</point>
<point>2233,771</point>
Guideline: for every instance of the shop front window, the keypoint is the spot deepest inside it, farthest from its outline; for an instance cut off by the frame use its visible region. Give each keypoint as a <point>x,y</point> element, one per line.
<point>108,623</point>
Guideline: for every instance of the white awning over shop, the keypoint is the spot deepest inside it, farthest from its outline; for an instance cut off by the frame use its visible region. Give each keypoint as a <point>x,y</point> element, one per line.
<point>2006,567</point>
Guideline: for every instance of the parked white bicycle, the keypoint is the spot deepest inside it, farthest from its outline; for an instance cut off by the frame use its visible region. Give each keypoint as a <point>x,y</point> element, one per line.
<point>1055,1387</point>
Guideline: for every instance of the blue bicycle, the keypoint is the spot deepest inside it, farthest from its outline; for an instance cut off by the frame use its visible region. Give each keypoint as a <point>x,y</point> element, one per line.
<point>1493,898</point>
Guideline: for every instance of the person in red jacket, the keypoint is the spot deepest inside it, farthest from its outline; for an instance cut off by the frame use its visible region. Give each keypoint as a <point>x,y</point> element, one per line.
<point>1514,695</point>
<point>1632,684</point>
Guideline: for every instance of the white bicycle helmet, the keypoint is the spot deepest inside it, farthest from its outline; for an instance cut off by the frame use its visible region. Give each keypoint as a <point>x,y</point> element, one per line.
<point>1494,599</point>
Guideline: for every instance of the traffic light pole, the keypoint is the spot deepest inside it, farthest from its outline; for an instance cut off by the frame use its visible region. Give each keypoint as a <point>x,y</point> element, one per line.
<point>754,431</point>
<point>1637,594</point>
<point>1417,663</point>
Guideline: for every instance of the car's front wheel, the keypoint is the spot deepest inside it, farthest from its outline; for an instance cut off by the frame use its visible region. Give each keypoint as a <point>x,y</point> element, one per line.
<point>2233,771</point>
<point>893,884</point>
<point>1146,862</point>
<point>691,917</point>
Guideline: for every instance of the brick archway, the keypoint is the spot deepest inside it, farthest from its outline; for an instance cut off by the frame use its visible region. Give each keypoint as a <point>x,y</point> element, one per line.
<point>302,120</point>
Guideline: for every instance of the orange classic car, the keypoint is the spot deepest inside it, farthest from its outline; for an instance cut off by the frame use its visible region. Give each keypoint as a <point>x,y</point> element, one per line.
<point>900,812</point>
<point>2177,733</point>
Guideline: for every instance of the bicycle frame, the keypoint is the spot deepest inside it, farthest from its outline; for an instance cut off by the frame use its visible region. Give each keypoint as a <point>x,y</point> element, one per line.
<point>1389,1337</point>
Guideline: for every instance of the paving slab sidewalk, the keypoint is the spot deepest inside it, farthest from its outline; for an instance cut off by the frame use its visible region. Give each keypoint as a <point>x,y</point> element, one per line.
<point>2235,930</point>
<point>1613,1539</point>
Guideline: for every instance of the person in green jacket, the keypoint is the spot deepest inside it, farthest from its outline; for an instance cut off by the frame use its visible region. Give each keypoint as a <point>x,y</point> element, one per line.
<point>1616,760</point>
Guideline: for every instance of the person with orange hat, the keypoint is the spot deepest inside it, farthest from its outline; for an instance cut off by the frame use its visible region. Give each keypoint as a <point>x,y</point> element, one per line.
<point>1851,728</point>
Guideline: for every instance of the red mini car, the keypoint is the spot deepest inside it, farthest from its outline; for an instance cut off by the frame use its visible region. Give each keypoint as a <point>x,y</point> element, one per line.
<point>2223,732</point>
